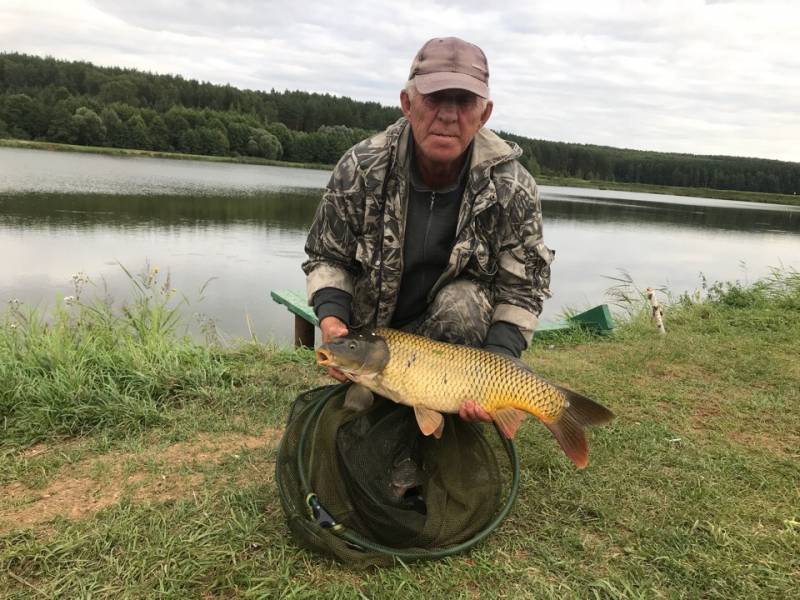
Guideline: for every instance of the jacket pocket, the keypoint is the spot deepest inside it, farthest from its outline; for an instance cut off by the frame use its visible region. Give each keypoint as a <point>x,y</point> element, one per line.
<point>484,260</point>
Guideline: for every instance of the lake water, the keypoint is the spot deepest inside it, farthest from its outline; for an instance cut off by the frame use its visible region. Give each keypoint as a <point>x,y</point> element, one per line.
<point>243,227</point>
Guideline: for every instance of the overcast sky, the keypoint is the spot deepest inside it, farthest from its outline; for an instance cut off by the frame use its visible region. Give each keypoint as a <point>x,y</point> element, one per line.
<point>713,77</point>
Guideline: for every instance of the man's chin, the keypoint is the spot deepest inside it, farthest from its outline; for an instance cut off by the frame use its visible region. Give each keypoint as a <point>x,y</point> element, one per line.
<point>444,151</point>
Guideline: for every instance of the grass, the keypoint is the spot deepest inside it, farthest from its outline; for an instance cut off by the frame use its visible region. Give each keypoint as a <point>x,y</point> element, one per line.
<point>740,195</point>
<point>692,492</point>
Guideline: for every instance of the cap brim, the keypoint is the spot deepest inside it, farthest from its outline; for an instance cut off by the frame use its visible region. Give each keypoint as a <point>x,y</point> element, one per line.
<point>436,82</point>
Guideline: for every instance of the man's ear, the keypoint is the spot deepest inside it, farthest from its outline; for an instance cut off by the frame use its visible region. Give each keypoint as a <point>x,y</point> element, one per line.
<point>405,103</point>
<point>487,112</point>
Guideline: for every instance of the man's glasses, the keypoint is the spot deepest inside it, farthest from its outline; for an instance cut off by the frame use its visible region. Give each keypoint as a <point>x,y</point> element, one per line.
<point>461,99</point>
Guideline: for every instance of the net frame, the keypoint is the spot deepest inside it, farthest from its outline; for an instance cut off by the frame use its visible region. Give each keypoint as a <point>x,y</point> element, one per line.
<point>314,521</point>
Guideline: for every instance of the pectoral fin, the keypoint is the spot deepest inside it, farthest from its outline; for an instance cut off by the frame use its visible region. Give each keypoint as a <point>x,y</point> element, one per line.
<point>358,398</point>
<point>429,421</point>
<point>509,420</point>
<point>438,433</point>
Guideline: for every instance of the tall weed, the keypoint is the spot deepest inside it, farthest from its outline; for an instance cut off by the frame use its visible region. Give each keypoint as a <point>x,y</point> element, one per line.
<point>91,364</point>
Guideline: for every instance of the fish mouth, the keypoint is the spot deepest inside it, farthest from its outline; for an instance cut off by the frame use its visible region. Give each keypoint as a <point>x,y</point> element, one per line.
<point>324,357</point>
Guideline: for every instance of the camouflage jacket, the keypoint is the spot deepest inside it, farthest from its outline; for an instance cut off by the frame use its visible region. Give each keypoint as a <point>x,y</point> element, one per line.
<point>356,240</point>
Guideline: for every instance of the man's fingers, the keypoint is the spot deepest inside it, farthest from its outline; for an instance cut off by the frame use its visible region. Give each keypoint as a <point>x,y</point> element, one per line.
<point>482,415</point>
<point>331,327</point>
<point>337,332</point>
<point>471,411</point>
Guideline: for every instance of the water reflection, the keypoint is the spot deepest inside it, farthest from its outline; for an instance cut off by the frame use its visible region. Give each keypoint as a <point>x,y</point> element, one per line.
<point>251,241</point>
<point>244,259</point>
<point>749,218</point>
<point>291,211</point>
<point>23,170</point>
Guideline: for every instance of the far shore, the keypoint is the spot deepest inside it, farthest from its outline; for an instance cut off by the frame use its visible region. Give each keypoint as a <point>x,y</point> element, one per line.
<point>744,196</point>
<point>247,160</point>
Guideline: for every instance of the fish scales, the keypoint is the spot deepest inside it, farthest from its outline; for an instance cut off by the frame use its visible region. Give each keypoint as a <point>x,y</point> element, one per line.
<point>443,376</point>
<point>437,377</point>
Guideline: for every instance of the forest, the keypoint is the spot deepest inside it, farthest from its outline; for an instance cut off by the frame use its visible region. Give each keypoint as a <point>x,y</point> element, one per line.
<point>43,98</point>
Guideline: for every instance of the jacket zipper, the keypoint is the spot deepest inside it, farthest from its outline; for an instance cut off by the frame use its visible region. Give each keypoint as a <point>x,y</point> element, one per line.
<point>428,227</point>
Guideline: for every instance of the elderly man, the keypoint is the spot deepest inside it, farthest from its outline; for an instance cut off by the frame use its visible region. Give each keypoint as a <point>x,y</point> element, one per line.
<point>433,226</point>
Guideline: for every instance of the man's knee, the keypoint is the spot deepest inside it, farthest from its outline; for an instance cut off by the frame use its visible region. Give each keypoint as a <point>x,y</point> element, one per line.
<point>460,313</point>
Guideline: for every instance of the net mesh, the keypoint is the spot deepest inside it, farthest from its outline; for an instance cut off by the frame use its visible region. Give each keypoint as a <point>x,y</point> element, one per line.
<point>380,477</point>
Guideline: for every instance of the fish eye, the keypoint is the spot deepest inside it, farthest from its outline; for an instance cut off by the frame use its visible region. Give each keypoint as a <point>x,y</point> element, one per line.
<point>352,345</point>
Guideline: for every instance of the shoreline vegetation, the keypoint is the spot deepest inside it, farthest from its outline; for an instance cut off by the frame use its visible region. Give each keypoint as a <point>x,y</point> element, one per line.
<point>694,192</point>
<point>136,461</point>
<point>689,192</point>
<point>72,102</point>
<point>132,152</point>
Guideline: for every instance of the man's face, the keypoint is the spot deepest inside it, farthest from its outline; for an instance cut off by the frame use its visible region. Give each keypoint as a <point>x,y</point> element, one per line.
<point>444,123</point>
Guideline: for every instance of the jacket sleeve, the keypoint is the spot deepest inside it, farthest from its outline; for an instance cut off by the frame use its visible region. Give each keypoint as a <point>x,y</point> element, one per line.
<point>523,277</point>
<point>332,240</point>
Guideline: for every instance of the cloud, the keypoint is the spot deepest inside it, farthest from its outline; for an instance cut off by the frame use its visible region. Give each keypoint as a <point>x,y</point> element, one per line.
<point>681,75</point>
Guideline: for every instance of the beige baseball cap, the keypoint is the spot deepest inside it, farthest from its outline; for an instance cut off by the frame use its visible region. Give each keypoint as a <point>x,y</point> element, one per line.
<point>450,63</point>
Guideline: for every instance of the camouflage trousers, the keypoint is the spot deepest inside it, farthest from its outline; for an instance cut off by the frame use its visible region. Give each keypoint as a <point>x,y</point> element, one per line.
<point>460,314</point>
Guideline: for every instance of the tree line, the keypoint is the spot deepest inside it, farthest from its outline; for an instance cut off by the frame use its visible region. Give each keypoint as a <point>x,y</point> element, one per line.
<point>587,161</point>
<point>80,103</point>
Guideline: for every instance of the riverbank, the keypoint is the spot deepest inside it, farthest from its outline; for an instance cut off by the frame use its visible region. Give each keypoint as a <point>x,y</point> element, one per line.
<point>245,160</point>
<point>138,462</point>
<point>691,192</point>
<point>743,196</point>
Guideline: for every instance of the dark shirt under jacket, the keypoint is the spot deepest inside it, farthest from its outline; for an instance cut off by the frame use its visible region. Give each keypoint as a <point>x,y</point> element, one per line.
<point>430,231</point>
<point>431,220</point>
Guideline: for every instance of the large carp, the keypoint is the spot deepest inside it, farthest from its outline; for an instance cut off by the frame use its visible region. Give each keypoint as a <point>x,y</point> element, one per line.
<point>436,377</point>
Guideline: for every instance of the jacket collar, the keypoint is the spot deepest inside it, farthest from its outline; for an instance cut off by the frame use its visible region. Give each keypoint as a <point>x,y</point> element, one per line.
<point>489,150</point>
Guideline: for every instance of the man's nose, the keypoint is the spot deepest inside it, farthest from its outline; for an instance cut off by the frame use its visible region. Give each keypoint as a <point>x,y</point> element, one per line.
<point>448,110</point>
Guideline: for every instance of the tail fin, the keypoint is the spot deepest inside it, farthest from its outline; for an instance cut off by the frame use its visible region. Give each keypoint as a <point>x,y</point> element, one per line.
<point>568,429</point>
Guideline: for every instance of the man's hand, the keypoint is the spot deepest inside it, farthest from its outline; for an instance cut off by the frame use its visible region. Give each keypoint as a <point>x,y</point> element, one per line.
<point>471,411</point>
<point>332,327</point>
